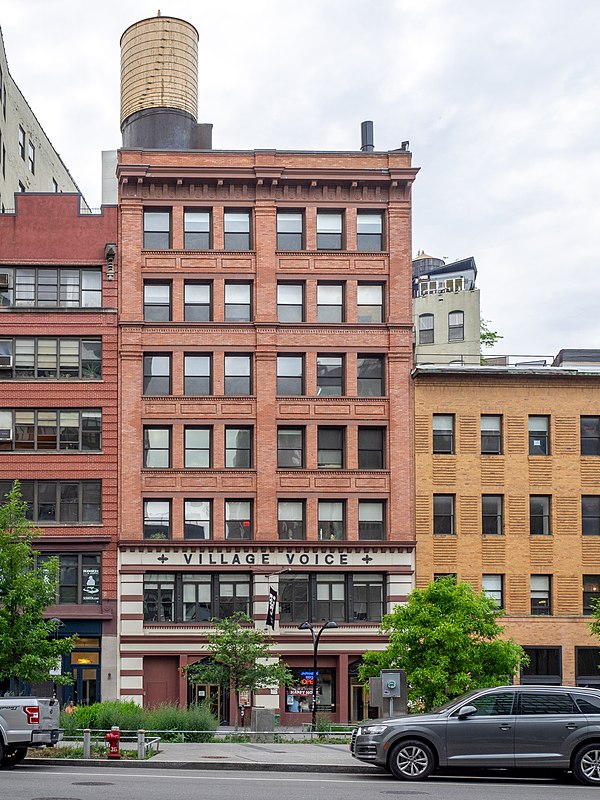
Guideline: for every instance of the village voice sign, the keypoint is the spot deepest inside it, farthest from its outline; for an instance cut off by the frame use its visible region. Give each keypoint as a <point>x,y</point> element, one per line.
<point>245,557</point>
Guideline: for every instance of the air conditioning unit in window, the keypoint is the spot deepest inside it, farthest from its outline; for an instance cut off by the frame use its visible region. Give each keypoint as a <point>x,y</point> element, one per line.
<point>6,362</point>
<point>6,435</point>
<point>3,280</point>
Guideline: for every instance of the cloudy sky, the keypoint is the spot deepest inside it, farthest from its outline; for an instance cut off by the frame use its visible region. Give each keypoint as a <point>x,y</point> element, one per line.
<point>499,100</point>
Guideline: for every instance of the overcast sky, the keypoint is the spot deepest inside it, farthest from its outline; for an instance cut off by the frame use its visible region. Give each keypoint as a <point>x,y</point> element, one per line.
<point>498,98</point>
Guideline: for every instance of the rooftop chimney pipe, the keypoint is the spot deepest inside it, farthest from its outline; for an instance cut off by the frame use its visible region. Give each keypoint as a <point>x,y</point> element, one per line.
<point>366,136</point>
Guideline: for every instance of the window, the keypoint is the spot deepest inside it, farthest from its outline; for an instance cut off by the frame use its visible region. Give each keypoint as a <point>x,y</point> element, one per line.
<point>290,448</point>
<point>238,302</point>
<point>370,379</point>
<point>493,587</point>
<point>443,514</point>
<point>50,429</point>
<point>157,302</point>
<point>197,448</point>
<point>541,598</point>
<point>78,577</point>
<point>330,375</point>
<point>330,302</point>
<point>157,229</point>
<point>21,187</point>
<point>290,519</point>
<point>194,597</point>
<point>330,454</point>
<point>238,448</point>
<point>61,502</point>
<point>237,230</point>
<point>426,331</point>
<point>157,519</point>
<point>197,372</point>
<point>587,669</point>
<point>590,515</point>
<point>331,519</point>
<point>539,515</point>
<point>591,592</point>
<point>197,519</point>
<point>238,375</point>
<point>31,287</point>
<point>21,142</point>
<point>318,598</point>
<point>443,433</point>
<point>456,326</point>
<point>491,514</point>
<point>234,595</point>
<point>294,598</point>
<point>367,597</point>
<point>369,231</point>
<point>370,302</point>
<point>197,594</point>
<point>492,705</point>
<point>157,374</point>
<point>42,358</point>
<point>290,302</point>
<point>157,448</point>
<point>238,519</point>
<point>539,436</point>
<point>371,444</point>
<point>197,230</point>
<point>546,703</point>
<point>491,434</point>
<point>329,230</point>
<point>31,158</point>
<point>331,597</point>
<point>54,186</point>
<point>371,519</point>
<point>544,667</point>
<point>159,597</point>
<point>290,230</point>
<point>590,436</point>
<point>290,375</point>
<point>197,302</point>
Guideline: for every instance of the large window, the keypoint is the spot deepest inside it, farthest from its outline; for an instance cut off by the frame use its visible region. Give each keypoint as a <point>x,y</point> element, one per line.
<point>197,230</point>
<point>31,158</point>
<point>370,302</point>
<point>197,519</point>
<point>329,230</point>
<point>491,514</point>
<point>330,375</point>
<point>195,597</point>
<point>237,230</point>
<point>290,519</point>
<point>51,429</point>
<point>426,329</point>
<point>60,502</point>
<point>544,667</point>
<point>22,142</point>
<point>238,301</point>
<point>366,597</point>
<point>370,376</point>
<point>330,454</point>
<point>234,595</point>
<point>590,515</point>
<point>331,597</point>
<point>290,302</point>
<point>157,519</point>
<point>331,519</point>
<point>443,433</point>
<point>290,230</point>
<point>493,587</point>
<point>587,666</point>
<point>290,375</point>
<point>330,302</point>
<point>371,448</point>
<point>238,375</point>
<point>157,447</point>
<point>590,436</point>
<point>371,519</point>
<point>79,578</point>
<point>456,326</point>
<point>157,229</point>
<point>197,448</point>
<point>69,287</point>
<point>443,514</point>
<point>318,598</point>
<point>157,301</point>
<point>369,231</point>
<point>591,593</point>
<point>43,358</point>
<point>197,302</point>
<point>238,519</point>
<point>197,374</point>
<point>541,595</point>
<point>539,436</point>
<point>539,515</point>
<point>159,597</point>
<point>491,434</point>
<point>157,374</point>
<point>238,448</point>
<point>290,448</point>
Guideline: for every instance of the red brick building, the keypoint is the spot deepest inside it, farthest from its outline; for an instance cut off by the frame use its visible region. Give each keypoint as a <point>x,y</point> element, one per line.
<point>58,414</point>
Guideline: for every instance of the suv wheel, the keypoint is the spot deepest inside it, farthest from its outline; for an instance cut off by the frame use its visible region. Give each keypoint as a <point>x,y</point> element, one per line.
<point>411,760</point>
<point>586,765</point>
<point>13,756</point>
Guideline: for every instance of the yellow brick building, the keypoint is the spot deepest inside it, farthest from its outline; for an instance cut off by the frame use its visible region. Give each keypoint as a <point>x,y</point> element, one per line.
<point>507,475</point>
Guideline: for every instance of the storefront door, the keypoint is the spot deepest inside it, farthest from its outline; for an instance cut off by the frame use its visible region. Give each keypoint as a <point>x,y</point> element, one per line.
<point>218,701</point>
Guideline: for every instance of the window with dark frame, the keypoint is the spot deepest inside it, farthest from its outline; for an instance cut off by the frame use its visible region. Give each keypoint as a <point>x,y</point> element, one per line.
<point>491,514</point>
<point>157,301</point>
<point>43,357</point>
<point>426,329</point>
<point>331,519</point>
<point>42,287</point>
<point>330,448</point>
<point>157,229</point>
<point>590,515</point>
<point>64,502</point>
<point>290,302</point>
<point>456,326</point>
<point>587,667</point>
<point>195,598</point>
<point>371,447</point>
<point>234,595</point>
<point>443,434</point>
<point>493,586</point>
<point>330,302</point>
<point>31,158</point>
<point>369,303</point>
<point>197,447</point>
<point>238,375</point>
<point>371,520</point>
<point>157,374</point>
<point>238,301</point>
<point>238,448</point>
<point>590,436</point>
<point>157,447</point>
<point>366,594</point>
<point>491,434</point>
<point>443,514</point>
<point>330,375</point>
<point>369,231</point>
<point>539,515</point>
<point>197,229</point>
<point>591,593</point>
<point>329,230</point>
<point>544,666</point>
<point>290,375</point>
<point>237,230</point>
<point>290,230</point>
<point>22,142</point>
<point>310,596</point>
<point>79,577</point>
<point>370,376</point>
<point>290,519</point>
<point>197,519</point>
<point>331,597</point>
<point>539,435</point>
<point>541,595</point>
<point>159,597</point>
<point>290,448</point>
<point>157,519</point>
<point>197,302</point>
<point>197,374</point>
<point>50,429</point>
<point>238,519</point>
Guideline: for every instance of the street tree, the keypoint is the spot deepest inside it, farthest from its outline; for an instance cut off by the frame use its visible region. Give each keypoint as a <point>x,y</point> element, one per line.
<point>595,618</point>
<point>446,637</point>
<point>487,336</point>
<point>30,649</point>
<point>240,658</point>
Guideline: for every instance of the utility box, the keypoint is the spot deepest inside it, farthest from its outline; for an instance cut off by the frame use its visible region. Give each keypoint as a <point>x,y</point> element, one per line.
<point>263,722</point>
<point>393,683</point>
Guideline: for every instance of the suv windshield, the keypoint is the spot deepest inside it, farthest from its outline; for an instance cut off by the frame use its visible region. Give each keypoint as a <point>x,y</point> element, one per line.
<point>456,701</point>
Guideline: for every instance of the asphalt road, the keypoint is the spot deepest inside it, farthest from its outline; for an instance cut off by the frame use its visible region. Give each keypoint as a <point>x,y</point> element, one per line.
<point>78,783</point>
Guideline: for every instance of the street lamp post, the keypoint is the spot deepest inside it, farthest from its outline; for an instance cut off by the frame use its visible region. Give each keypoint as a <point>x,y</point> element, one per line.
<point>316,636</point>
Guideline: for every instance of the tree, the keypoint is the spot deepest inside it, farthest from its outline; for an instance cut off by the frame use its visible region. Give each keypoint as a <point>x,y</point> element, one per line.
<point>446,638</point>
<point>488,337</point>
<point>595,621</point>
<point>240,659</point>
<point>29,645</point>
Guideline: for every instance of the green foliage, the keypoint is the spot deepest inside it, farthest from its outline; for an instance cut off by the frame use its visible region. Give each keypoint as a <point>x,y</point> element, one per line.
<point>239,658</point>
<point>29,646</point>
<point>487,336</point>
<point>446,638</point>
<point>595,619</point>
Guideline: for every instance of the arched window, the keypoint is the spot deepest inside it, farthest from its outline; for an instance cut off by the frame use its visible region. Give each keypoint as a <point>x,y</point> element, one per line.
<point>426,332</point>
<point>456,326</point>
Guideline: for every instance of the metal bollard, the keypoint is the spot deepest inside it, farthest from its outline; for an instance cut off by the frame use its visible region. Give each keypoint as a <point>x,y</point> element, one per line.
<point>87,743</point>
<point>141,745</point>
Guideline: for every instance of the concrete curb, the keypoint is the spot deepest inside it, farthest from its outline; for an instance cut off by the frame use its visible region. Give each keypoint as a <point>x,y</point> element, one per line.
<point>220,766</point>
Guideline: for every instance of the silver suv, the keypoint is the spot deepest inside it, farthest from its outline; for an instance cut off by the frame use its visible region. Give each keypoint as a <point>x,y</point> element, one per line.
<point>550,727</point>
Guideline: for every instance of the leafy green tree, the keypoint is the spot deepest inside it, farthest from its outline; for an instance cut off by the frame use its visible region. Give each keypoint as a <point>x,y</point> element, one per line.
<point>240,658</point>
<point>446,638</point>
<point>487,336</point>
<point>29,645</point>
<point>595,619</point>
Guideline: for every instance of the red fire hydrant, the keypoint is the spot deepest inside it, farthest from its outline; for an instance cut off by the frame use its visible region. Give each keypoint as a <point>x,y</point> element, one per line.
<point>113,737</point>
